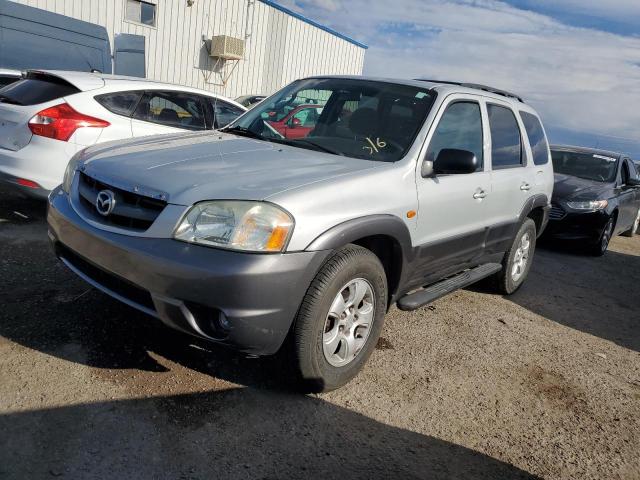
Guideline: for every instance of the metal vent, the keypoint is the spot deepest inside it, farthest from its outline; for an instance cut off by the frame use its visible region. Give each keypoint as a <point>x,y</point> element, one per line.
<point>227,48</point>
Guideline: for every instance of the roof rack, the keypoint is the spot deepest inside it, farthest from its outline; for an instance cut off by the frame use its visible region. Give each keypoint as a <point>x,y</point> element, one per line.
<point>476,86</point>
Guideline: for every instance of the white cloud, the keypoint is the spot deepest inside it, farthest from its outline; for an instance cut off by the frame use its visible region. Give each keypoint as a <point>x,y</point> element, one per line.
<point>579,79</point>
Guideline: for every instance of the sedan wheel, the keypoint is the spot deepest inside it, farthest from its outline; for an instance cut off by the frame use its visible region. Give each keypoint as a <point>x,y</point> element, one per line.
<point>602,246</point>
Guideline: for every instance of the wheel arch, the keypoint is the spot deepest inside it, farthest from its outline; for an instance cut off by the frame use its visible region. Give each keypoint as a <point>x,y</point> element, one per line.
<point>537,209</point>
<point>387,236</point>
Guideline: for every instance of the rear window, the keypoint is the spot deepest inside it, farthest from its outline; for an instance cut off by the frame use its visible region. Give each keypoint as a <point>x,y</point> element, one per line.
<point>32,91</point>
<point>537,140</point>
<point>121,103</point>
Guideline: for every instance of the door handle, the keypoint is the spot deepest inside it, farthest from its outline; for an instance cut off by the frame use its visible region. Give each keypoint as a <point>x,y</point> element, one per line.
<point>480,194</point>
<point>525,186</point>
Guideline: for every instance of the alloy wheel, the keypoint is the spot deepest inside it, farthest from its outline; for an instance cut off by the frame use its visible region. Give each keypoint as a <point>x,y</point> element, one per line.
<point>348,322</point>
<point>521,257</point>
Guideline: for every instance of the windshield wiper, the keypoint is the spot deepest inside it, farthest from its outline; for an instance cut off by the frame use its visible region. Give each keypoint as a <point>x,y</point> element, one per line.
<point>5,99</point>
<point>317,146</point>
<point>243,131</point>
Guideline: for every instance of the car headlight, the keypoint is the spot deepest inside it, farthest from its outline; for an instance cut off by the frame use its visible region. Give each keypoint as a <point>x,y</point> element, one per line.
<point>592,205</point>
<point>238,225</point>
<point>70,171</point>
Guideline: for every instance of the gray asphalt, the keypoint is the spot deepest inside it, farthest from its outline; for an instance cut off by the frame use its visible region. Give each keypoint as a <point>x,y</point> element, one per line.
<point>545,383</point>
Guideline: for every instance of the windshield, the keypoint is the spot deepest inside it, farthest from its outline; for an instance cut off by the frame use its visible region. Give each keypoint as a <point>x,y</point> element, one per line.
<point>354,118</point>
<point>590,166</point>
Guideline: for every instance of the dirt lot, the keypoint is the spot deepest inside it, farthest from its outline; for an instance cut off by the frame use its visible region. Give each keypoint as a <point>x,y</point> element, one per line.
<point>545,383</point>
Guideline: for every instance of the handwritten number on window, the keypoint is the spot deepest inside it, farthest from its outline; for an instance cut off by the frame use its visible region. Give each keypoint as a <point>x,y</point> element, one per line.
<point>374,147</point>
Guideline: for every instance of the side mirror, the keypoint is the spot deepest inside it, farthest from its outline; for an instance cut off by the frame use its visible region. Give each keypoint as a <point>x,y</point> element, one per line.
<point>633,182</point>
<point>452,161</point>
<point>295,122</point>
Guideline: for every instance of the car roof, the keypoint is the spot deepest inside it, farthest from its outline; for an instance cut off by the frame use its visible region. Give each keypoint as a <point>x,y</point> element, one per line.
<point>85,81</point>
<point>445,87</point>
<point>587,150</point>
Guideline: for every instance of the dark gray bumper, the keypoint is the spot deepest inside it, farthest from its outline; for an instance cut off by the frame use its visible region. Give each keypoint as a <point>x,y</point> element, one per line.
<point>189,286</point>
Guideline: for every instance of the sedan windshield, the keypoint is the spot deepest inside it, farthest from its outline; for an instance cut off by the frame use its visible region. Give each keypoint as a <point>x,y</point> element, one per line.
<point>590,166</point>
<point>349,117</point>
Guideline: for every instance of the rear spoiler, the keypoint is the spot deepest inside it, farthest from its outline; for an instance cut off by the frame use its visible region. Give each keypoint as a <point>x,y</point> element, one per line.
<point>82,81</point>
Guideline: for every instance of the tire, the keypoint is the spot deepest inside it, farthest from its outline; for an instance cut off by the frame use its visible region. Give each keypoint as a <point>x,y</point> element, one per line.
<point>348,271</point>
<point>600,248</point>
<point>506,281</point>
<point>634,228</point>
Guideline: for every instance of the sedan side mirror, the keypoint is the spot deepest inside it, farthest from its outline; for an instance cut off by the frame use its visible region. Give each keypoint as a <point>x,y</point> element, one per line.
<point>633,182</point>
<point>295,122</point>
<point>453,161</point>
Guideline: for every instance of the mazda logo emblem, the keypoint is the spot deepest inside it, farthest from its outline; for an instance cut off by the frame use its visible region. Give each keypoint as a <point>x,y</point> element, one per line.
<point>105,202</point>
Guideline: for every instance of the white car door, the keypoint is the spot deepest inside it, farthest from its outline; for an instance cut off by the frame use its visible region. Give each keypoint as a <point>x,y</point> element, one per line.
<point>166,111</point>
<point>452,215</point>
<point>512,178</point>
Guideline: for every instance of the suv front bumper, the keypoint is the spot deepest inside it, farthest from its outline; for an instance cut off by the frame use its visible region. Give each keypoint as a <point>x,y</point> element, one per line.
<point>247,301</point>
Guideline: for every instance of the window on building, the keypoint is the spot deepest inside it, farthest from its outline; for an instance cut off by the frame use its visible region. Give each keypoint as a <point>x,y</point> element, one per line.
<point>460,128</point>
<point>537,140</point>
<point>141,12</point>
<point>506,146</point>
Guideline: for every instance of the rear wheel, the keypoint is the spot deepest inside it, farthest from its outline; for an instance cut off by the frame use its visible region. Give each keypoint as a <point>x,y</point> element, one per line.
<point>340,319</point>
<point>634,228</point>
<point>601,247</point>
<point>517,260</point>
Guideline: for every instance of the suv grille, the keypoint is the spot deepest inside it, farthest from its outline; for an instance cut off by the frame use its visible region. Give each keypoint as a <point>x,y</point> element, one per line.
<point>556,212</point>
<point>131,211</point>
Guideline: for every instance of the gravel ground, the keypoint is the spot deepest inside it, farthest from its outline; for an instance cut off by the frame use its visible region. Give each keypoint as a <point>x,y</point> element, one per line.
<point>545,383</point>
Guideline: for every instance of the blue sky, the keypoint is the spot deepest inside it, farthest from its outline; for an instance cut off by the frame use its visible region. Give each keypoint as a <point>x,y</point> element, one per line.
<point>576,61</point>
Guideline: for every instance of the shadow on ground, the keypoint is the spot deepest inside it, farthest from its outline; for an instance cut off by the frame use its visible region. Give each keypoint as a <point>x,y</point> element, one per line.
<point>240,433</point>
<point>596,295</point>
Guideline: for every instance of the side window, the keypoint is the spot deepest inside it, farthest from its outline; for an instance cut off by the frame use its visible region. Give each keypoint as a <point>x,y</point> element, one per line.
<point>121,103</point>
<point>225,113</point>
<point>506,145</point>
<point>173,109</point>
<point>537,140</point>
<point>461,128</point>
<point>625,173</point>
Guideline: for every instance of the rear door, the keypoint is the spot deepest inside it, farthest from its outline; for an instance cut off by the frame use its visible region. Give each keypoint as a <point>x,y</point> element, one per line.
<point>452,215</point>
<point>512,180</point>
<point>162,111</point>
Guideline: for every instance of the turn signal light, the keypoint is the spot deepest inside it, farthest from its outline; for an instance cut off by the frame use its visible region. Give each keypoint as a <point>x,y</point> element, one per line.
<point>61,121</point>
<point>27,183</point>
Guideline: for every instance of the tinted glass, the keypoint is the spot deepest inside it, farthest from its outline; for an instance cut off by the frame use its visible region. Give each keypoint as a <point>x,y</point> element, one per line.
<point>589,166</point>
<point>537,140</point>
<point>173,109</point>
<point>307,117</point>
<point>147,13</point>
<point>506,148</point>
<point>6,80</point>
<point>32,91</point>
<point>461,128</point>
<point>121,103</point>
<point>359,118</point>
<point>225,113</point>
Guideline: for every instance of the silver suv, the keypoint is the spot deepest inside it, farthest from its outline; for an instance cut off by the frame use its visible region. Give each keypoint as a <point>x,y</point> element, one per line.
<point>307,227</point>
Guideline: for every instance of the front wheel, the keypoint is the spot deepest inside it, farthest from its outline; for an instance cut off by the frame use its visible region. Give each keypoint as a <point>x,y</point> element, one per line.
<point>601,247</point>
<point>517,261</point>
<point>340,319</point>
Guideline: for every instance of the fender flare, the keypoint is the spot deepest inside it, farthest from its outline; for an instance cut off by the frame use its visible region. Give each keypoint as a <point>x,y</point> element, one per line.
<point>536,201</point>
<point>356,228</point>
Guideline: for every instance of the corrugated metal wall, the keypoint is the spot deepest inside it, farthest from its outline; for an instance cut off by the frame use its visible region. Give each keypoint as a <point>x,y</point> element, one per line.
<point>279,47</point>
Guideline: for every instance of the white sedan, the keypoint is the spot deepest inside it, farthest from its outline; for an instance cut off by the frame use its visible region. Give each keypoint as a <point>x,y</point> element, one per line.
<point>48,116</point>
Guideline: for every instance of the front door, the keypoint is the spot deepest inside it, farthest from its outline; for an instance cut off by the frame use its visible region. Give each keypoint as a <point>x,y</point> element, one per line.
<point>452,214</point>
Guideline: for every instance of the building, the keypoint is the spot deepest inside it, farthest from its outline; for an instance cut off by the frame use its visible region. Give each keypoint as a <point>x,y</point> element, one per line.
<point>267,45</point>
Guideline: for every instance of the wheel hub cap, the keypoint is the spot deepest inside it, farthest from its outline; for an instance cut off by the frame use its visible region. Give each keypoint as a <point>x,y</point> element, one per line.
<point>521,257</point>
<point>348,322</point>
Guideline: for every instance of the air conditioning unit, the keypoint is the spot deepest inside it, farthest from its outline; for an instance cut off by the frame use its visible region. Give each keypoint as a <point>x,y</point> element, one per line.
<point>227,48</point>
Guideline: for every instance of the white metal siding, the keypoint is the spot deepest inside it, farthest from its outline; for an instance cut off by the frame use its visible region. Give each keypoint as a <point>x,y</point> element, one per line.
<point>279,48</point>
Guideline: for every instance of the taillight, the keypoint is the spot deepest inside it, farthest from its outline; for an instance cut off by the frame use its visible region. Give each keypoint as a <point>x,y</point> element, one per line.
<point>61,121</point>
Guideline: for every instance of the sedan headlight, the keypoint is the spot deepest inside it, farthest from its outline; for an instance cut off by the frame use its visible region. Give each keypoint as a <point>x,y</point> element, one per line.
<point>592,205</point>
<point>237,225</point>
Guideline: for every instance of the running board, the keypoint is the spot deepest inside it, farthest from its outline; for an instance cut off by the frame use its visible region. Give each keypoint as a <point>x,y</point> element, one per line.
<point>427,295</point>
